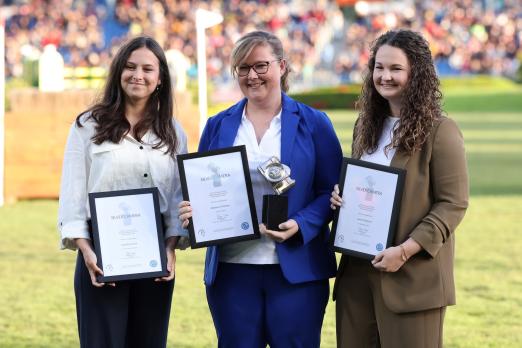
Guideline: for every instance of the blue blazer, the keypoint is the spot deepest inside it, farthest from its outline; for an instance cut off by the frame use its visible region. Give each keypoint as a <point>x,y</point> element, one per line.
<point>311,149</point>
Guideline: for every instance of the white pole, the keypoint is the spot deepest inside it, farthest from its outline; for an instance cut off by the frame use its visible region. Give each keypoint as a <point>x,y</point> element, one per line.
<point>204,19</point>
<point>202,76</point>
<point>2,109</point>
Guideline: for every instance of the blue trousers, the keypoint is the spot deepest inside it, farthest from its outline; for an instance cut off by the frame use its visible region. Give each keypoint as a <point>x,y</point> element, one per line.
<point>135,313</point>
<point>254,305</point>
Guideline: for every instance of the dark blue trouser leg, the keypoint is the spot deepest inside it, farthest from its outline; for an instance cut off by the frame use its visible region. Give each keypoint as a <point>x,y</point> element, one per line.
<point>254,305</point>
<point>132,314</point>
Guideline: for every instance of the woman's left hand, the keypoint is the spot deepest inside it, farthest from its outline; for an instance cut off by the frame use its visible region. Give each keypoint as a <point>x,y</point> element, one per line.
<point>389,260</point>
<point>170,245</point>
<point>288,229</point>
<point>335,198</point>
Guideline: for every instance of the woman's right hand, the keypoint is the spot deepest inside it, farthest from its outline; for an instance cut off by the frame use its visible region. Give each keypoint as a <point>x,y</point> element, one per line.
<point>184,213</point>
<point>90,259</point>
<point>335,199</point>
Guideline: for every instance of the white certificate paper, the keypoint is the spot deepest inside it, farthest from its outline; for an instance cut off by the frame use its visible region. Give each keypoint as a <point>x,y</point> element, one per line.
<point>126,234</point>
<point>220,196</point>
<point>366,220</point>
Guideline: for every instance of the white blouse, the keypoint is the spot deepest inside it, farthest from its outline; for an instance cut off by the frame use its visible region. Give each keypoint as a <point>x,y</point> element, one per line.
<point>259,251</point>
<point>379,156</point>
<point>88,167</point>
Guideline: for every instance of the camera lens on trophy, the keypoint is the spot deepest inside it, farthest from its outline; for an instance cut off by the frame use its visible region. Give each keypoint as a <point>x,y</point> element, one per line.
<point>274,172</point>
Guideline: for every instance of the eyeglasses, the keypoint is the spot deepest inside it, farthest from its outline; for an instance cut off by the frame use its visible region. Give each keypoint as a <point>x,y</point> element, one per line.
<point>260,68</point>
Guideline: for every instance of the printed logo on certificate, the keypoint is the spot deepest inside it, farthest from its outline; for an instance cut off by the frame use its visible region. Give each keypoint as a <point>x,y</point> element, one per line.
<point>365,224</point>
<point>128,234</point>
<point>218,185</point>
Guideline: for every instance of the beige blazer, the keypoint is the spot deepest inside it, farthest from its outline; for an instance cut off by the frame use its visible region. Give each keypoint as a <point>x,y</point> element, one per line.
<point>434,201</point>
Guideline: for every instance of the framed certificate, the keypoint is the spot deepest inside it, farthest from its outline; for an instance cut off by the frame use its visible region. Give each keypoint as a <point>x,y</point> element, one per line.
<point>128,234</point>
<point>217,184</point>
<point>365,224</point>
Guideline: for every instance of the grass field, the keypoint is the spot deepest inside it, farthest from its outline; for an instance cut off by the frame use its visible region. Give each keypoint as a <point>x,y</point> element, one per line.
<point>493,147</point>
<point>36,294</point>
<point>37,303</point>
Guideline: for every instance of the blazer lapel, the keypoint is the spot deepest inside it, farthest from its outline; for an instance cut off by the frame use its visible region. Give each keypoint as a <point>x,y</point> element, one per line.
<point>230,125</point>
<point>289,122</point>
<point>400,160</point>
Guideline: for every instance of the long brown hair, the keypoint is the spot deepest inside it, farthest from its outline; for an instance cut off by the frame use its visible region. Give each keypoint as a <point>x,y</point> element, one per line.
<point>109,111</point>
<point>421,98</point>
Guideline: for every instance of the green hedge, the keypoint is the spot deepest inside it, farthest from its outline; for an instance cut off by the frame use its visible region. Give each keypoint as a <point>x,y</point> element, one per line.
<point>474,93</point>
<point>341,97</point>
<point>11,84</point>
<point>478,83</point>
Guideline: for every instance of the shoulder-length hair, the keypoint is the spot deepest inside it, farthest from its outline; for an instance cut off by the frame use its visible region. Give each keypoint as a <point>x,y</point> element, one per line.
<point>421,102</point>
<point>109,111</point>
<point>248,42</point>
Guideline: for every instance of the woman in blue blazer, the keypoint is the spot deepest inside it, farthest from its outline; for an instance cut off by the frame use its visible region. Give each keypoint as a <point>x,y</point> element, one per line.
<point>273,290</point>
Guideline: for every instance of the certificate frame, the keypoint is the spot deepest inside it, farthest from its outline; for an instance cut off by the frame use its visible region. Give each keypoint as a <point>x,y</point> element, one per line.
<point>347,242</point>
<point>188,171</point>
<point>99,223</point>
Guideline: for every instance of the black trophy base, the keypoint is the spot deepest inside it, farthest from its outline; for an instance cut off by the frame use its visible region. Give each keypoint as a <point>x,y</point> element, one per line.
<point>275,211</point>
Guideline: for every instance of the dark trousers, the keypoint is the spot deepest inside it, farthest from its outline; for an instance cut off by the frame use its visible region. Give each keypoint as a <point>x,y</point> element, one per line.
<point>254,305</point>
<point>133,314</point>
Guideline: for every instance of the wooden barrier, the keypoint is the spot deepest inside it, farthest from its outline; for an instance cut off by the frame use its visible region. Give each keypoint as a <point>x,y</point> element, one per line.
<point>36,130</point>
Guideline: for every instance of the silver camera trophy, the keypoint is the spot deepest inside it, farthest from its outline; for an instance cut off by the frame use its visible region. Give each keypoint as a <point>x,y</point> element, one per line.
<point>275,207</point>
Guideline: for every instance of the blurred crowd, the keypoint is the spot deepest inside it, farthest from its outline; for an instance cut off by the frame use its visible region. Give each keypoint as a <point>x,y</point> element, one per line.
<point>73,26</point>
<point>325,44</point>
<point>465,36</point>
<point>299,24</point>
<point>86,32</point>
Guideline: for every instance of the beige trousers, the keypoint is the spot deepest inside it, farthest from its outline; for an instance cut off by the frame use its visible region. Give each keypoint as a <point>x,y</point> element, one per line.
<point>364,321</point>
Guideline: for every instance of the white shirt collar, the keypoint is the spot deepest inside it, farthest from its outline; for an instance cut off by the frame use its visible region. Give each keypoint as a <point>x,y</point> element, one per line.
<point>276,119</point>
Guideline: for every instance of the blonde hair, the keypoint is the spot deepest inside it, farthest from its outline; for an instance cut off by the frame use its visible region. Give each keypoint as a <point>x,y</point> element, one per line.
<point>248,42</point>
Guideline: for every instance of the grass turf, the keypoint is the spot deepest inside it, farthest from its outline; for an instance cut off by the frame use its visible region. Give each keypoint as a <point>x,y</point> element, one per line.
<point>37,301</point>
<point>36,279</point>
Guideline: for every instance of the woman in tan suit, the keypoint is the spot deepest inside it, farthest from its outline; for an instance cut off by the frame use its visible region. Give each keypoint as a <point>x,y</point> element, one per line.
<point>399,298</point>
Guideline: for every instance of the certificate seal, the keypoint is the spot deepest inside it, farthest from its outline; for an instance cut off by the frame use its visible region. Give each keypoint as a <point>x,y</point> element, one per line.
<point>379,247</point>
<point>153,263</point>
<point>245,225</point>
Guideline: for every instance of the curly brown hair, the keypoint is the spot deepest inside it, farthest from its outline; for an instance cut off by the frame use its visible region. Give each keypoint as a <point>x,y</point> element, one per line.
<point>421,102</point>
